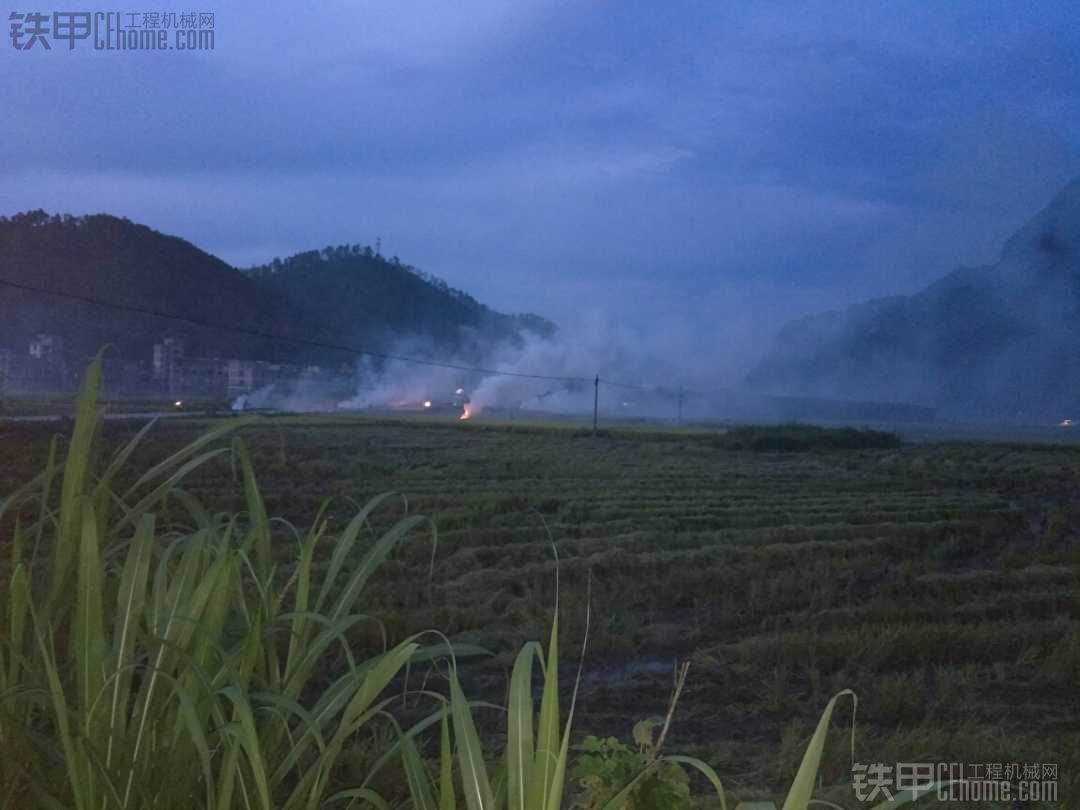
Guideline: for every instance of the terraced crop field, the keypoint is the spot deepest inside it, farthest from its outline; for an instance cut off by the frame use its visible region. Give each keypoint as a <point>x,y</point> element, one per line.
<point>939,581</point>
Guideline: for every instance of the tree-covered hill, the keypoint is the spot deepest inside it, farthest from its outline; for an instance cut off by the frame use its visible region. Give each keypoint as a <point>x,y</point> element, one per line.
<point>338,295</point>
<point>104,257</point>
<point>358,295</point>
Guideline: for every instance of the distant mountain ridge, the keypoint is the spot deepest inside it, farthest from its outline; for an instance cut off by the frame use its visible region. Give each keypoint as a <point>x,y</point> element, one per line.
<point>1000,342</point>
<point>351,291</point>
<point>347,296</point>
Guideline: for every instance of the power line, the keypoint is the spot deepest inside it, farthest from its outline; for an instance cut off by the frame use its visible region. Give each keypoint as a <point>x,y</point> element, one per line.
<point>629,386</point>
<point>648,389</point>
<point>318,344</point>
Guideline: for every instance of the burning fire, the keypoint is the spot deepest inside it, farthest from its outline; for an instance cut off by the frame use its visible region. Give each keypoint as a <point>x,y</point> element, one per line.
<point>466,412</point>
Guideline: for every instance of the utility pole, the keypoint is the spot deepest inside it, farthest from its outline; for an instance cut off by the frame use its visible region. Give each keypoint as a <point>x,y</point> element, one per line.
<point>680,405</point>
<point>595,403</point>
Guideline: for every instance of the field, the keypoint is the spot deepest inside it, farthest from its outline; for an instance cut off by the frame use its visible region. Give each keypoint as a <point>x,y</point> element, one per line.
<point>940,581</point>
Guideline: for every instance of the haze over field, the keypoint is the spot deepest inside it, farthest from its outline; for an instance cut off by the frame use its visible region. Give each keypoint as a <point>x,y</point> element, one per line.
<point>674,185</point>
<point>999,342</point>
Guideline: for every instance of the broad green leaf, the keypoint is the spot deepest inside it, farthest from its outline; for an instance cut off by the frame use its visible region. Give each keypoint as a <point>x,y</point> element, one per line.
<point>802,788</point>
<point>474,777</point>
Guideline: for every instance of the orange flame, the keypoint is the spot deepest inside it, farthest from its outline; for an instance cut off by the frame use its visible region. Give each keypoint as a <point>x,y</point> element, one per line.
<point>466,413</point>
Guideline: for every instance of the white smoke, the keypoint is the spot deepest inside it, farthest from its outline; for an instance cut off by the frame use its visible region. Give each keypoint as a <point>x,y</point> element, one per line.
<point>261,398</point>
<point>533,374</point>
<point>399,384</point>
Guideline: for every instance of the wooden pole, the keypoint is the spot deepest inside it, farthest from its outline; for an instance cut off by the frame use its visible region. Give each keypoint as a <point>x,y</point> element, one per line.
<point>595,404</point>
<point>680,404</point>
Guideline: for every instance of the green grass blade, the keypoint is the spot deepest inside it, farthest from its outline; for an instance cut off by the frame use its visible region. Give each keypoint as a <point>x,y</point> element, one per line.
<point>417,776</point>
<point>519,736</point>
<point>310,654</point>
<point>354,795</point>
<point>802,788</point>
<point>52,470</point>
<point>89,635</point>
<point>76,471</point>
<point>344,545</point>
<point>447,800</point>
<point>150,500</point>
<point>181,456</point>
<point>103,494</point>
<point>75,767</point>
<point>259,536</point>
<point>246,734</point>
<point>547,742</point>
<point>704,770</point>
<point>299,631</point>
<point>474,777</point>
<point>371,562</point>
<point>378,677</point>
<point>17,614</point>
<point>130,603</point>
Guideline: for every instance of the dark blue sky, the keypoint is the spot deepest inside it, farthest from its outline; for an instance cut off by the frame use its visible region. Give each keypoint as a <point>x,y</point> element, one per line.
<point>691,172</point>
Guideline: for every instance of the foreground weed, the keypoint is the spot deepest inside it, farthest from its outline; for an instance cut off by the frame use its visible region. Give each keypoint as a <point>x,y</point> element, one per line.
<point>142,667</point>
<point>530,773</point>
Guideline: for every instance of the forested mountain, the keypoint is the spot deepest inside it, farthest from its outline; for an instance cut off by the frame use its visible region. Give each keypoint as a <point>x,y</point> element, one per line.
<point>103,257</point>
<point>338,295</point>
<point>372,301</point>
<point>1000,342</point>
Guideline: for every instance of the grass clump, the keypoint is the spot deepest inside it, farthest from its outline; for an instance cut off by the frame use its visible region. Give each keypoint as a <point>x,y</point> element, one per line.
<point>531,771</point>
<point>145,665</point>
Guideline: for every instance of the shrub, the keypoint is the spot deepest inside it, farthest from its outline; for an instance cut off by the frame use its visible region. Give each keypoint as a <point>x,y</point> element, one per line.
<point>604,766</point>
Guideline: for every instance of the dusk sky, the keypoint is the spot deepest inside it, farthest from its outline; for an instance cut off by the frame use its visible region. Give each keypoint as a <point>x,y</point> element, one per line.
<point>696,170</point>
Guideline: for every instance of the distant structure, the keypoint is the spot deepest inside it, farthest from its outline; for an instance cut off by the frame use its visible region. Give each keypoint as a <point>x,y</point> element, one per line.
<point>168,364</point>
<point>177,373</point>
<point>7,362</point>
<point>240,376</point>
<point>47,348</point>
<point>47,368</point>
<point>203,376</point>
<point>169,371</point>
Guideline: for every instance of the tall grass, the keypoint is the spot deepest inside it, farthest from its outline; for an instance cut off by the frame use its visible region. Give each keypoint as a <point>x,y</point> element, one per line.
<point>144,666</point>
<point>530,772</point>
